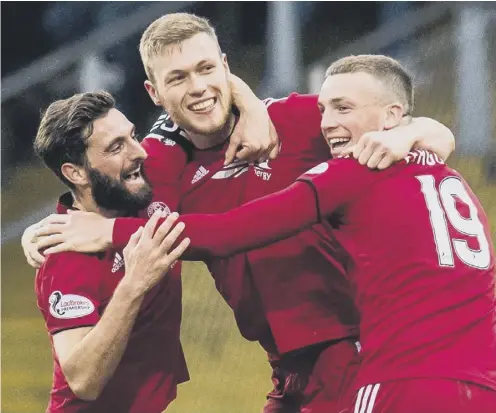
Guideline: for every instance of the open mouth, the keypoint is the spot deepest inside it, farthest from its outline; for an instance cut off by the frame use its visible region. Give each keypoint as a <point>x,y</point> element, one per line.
<point>134,175</point>
<point>338,143</point>
<point>203,106</point>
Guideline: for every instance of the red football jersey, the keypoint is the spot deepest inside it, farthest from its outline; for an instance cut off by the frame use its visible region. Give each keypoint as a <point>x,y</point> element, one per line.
<point>293,293</point>
<point>423,268</point>
<point>73,291</point>
<point>423,264</point>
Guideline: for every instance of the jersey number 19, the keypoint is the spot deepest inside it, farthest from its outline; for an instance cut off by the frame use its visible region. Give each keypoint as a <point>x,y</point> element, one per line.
<point>441,203</point>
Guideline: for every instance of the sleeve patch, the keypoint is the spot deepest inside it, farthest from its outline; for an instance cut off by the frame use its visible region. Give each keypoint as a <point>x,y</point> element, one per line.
<point>319,169</point>
<point>68,306</point>
<point>163,139</point>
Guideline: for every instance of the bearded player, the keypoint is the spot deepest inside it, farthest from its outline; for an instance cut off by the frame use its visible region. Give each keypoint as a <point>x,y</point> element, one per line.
<point>302,315</point>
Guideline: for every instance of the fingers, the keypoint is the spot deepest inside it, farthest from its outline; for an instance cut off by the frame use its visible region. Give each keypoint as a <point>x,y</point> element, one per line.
<point>234,143</point>
<point>249,154</point>
<point>134,239</point>
<point>365,154</point>
<point>348,150</point>
<point>49,241</point>
<point>245,154</point>
<point>165,227</point>
<point>33,263</point>
<point>33,256</point>
<point>49,229</point>
<point>58,248</point>
<point>171,238</point>
<point>176,253</point>
<point>150,226</point>
<point>358,148</point>
<point>274,138</point>
<point>386,162</point>
<point>275,152</point>
<point>375,159</point>
<point>55,219</point>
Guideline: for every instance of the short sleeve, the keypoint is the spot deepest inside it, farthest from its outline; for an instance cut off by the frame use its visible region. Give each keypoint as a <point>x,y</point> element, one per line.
<point>298,118</point>
<point>163,168</point>
<point>69,296</point>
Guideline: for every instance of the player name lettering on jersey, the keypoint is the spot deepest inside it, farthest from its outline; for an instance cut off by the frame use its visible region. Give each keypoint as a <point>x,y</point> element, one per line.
<point>421,157</point>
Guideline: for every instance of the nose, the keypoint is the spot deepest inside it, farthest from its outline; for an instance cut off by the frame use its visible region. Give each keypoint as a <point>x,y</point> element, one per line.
<point>328,121</point>
<point>198,84</point>
<point>137,152</point>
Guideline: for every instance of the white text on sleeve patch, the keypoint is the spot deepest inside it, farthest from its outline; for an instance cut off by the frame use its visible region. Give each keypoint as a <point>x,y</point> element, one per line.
<point>69,305</point>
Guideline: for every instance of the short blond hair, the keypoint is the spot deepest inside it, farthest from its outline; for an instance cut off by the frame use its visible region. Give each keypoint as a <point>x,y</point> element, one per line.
<point>389,71</point>
<point>169,29</point>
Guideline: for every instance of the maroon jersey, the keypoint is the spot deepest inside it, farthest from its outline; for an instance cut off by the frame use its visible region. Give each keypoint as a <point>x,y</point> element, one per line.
<point>423,268</point>
<point>73,290</point>
<point>422,261</point>
<point>288,295</point>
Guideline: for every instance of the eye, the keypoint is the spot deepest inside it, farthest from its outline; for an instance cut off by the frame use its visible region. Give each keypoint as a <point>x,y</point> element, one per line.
<point>343,109</point>
<point>207,68</point>
<point>116,148</point>
<point>176,79</point>
<point>321,109</point>
<point>136,137</point>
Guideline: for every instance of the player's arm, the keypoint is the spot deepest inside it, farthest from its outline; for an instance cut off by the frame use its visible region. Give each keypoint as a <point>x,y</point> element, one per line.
<point>264,221</point>
<point>254,136</point>
<point>382,149</point>
<point>167,156</point>
<point>378,149</point>
<point>313,198</point>
<point>89,356</point>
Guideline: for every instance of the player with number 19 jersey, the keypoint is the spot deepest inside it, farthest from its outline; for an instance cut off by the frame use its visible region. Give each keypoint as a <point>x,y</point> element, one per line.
<point>423,267</point>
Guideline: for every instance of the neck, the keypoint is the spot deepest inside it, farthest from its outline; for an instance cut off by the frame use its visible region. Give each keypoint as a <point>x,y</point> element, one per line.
<point>83,201</point>
<point>202,141</point>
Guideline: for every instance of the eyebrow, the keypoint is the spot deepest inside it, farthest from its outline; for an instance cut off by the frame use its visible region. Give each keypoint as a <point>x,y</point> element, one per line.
<point>180,71</point>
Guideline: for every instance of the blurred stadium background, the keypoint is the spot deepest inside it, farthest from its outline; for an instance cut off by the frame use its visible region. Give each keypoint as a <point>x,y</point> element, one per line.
<point>53,49</point>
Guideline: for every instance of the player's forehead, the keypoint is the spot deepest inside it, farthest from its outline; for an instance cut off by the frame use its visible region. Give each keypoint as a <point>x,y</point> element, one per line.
<point>355,87</point>
<point>187,54</point>
<point>114,124</point>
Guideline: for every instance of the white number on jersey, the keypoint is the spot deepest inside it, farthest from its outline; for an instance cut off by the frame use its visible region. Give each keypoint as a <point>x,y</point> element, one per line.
<point>441,204</point>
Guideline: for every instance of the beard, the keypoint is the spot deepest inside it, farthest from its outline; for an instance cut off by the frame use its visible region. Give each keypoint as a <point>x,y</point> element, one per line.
<point>112,194</point>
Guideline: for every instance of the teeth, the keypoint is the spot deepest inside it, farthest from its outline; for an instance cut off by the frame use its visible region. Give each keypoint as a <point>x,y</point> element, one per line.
<point>203,105</point>
<point>134,174</point>
<point>334,141</point>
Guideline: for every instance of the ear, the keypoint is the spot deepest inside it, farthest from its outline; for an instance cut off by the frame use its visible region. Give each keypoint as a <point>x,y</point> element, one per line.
<point>75,174</point>
<point>152,92</point>
<point>393,116</point>
<point>224,62</point>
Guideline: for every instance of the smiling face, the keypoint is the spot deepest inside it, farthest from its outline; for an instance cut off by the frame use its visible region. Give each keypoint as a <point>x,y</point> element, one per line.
<point>115,165</point>
<point>353,104</point>
<point>191,83</point>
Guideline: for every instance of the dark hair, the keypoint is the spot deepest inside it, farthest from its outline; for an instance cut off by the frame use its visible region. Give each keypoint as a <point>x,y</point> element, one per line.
<point>65,128</point>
